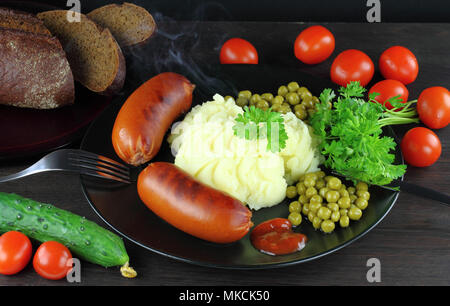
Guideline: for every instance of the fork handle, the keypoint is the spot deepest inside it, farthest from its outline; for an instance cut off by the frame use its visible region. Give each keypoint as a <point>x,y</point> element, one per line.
<point>425,192</point>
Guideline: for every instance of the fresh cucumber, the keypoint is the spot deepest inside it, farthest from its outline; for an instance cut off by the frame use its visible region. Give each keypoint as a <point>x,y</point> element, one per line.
<point>44,222</point>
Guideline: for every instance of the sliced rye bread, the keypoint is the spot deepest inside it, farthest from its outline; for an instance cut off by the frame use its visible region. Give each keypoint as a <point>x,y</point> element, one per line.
<point>94,55</point>
<point>34,71</point>
<point>14,19</point>
<point>130,24</point>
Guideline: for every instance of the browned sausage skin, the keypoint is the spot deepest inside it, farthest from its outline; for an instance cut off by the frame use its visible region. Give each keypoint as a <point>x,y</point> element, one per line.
<point>191,206</point>
<point>147,114</point>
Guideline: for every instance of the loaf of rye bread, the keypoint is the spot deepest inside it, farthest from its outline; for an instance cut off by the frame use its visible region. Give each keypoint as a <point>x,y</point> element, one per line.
<point>94,55</point>
<point>130,24</point>
<point>34,71</point>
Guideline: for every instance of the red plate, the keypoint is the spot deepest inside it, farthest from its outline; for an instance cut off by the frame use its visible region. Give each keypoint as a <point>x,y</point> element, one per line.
<point>27,132</point>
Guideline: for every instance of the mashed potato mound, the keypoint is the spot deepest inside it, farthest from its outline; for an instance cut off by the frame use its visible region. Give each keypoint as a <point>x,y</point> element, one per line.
<point>205,146</point>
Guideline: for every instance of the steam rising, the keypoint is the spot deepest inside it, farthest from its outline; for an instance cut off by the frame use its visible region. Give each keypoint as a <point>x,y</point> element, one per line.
<point>178,46</point>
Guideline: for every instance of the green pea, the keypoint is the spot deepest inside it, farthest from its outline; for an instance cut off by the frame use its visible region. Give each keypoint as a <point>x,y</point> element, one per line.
<point>254,99</point>
<point>276,107</point>
<point>362,186</point>
<point>363,194</point>
<point>246,94</point>
<point>327,226</point>
<point>316,222</point>
<point>226,98</point>
<point>293,86</point>
<point>316,199</point>
<point>291,192</point>
<point>323,191</point>
<point>309,181</point>
<point>295,207</point>
<point>311,216</point>
<point>361,203</point>
<point>324,213</point>
<point>315,100</point>
<point>278,100</point>
<point>285,108</point>
<point>262,104</point>
<point>353,198</point>
<point>310,191</point>
<point>355,213</point>
<point>283,90</point>
<point>344,221</point>
<point>332,196</point>
<point>320,183</point>
<point>241,102</point>
<point>335,216</point>
<point>333,206</point>
<point>292,98</point>
<point>343,212</point>
<point>303,199</point>
<point>334,183</point>
<point>305,209</point>
<point>295,218</point>
<point>267,96</point>
<point>351,190</point>
<point>344,202</point>
<point>301,188</point>
<point>314,207</point>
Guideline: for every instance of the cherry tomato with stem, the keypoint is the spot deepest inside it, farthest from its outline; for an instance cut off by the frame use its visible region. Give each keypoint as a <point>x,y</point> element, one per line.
<point>52,260</point>
<point>433,107</point>
<point>15,252</point>
<point>352,65</point>
<point>389,89</point>
<point>421,147</point>
<point>314,45</point>
<point>399,63</point>
<point>238,51</point>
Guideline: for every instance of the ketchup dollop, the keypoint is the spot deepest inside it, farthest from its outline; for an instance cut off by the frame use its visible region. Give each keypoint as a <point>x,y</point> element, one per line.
<point>275,237</point>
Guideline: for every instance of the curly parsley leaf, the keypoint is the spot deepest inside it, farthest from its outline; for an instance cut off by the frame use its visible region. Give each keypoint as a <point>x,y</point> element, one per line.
<point>256,123</point>
<point>351,134</point>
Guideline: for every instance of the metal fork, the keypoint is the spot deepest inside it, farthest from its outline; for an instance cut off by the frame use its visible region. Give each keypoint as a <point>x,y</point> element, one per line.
<point>77,161</point>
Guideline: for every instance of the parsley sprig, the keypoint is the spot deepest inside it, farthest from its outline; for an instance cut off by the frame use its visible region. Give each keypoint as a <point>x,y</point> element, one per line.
<point>256,123</point>
<point>351,134</point>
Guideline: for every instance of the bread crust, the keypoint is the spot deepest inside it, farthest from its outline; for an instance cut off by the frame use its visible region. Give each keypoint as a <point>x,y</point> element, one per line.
<point>93,15</point>
<point>118,79</point>
<point>34,71</point>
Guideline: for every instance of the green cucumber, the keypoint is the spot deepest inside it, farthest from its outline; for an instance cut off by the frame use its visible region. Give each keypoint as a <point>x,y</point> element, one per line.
<point>44,222</point>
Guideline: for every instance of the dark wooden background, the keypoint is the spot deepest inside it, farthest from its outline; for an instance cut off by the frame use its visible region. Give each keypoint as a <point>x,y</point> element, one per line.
<point>412,242</point>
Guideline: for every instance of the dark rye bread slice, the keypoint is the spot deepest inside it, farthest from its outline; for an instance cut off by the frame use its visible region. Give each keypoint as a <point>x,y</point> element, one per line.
<point>13,19</point>
<point>95,57</point>
<point>130,24</point>
<point>34,71</point>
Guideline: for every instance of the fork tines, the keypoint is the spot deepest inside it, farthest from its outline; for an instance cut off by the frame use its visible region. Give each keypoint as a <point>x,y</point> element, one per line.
<point>96,165</point>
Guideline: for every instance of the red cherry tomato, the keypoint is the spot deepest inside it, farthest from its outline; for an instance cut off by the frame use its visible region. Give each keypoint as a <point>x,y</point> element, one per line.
<point>238,51</point>
<point>389,89</point>
<point>15,252</point>
<point>421,147</point>
<point>51,260</point>
<point>433,107</point>
<point>398,63</point>
<point>352,65</point>
<point>314,45</point>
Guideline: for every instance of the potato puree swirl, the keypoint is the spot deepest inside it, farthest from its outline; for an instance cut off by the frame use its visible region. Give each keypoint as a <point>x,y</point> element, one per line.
<point>205,146</point>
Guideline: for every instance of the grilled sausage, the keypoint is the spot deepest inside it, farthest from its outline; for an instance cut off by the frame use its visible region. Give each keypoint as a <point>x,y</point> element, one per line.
<point>191,206</point>
<point>147,114</point>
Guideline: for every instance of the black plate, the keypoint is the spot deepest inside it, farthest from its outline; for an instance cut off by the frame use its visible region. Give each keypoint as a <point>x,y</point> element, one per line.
<point>120,207</point>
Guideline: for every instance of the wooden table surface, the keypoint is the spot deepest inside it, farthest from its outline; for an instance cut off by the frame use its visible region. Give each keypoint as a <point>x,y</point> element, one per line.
<point>412,242</point>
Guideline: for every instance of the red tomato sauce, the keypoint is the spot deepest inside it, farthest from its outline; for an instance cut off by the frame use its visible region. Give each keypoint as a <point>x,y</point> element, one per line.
<point>275,237</point>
